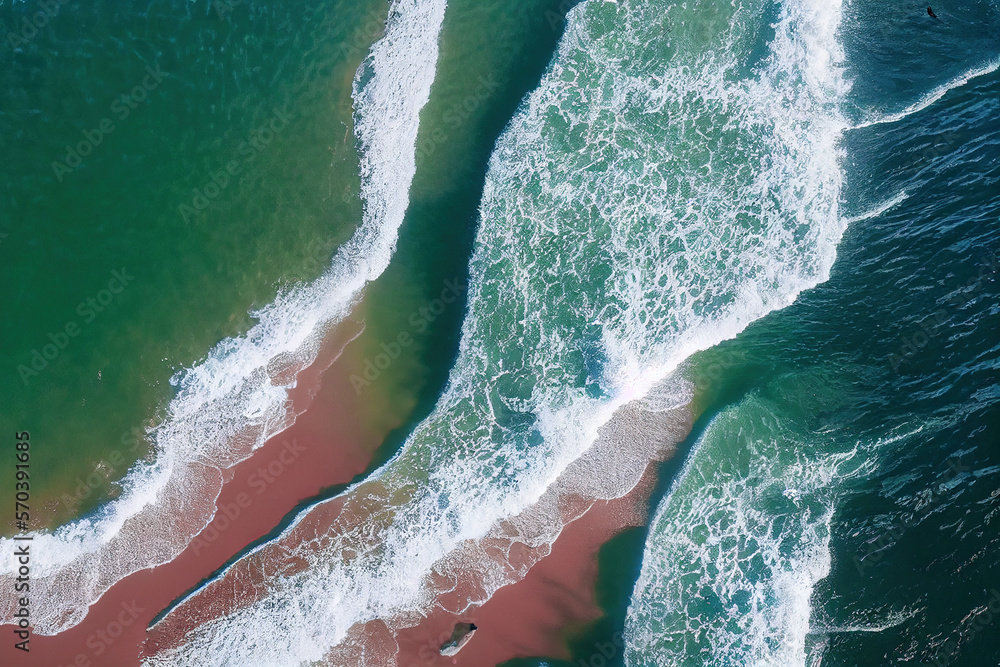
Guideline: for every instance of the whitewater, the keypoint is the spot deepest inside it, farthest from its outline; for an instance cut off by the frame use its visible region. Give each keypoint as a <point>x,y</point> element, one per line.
<point>232,402</point>
<point>675,177</point>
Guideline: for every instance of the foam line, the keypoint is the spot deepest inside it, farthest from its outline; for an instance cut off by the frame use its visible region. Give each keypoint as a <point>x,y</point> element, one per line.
<point>229,404</point>
<point>875,212</point>
<point>650,199</point>
<point>933,96</point>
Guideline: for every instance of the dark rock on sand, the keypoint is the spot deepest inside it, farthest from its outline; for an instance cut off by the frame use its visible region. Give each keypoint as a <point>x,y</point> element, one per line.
<point>460,636</point>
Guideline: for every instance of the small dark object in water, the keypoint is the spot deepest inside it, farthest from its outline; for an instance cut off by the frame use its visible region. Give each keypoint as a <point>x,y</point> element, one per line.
<point>930,12</point>
<point>460,636</point>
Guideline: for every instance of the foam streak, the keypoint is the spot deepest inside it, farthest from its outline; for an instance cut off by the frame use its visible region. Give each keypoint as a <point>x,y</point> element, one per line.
<point>231,403</point>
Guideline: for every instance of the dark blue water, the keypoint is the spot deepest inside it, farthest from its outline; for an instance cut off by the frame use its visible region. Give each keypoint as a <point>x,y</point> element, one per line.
<point>911,312</point>
<point>882,383</point>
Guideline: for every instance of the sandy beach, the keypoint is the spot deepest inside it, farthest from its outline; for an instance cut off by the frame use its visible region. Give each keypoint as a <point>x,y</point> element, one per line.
<point>537,615</point>
<point>326,446</point>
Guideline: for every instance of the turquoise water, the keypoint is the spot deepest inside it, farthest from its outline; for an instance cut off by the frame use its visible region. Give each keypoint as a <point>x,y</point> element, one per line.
<point>838,501</point>
<point>784,218</point>
<point>862,454</point>
<point>229,88</point>
<point>581,303</point>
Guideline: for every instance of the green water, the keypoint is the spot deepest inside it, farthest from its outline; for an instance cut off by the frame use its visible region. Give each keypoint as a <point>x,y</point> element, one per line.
<point>263,92</point>
<point>491,56</point>
<point>137,204</point>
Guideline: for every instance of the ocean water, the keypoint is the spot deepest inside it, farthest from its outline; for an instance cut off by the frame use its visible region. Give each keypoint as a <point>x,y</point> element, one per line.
<point>228,88</point>
<point>781,220</point>
<point>838,509</point>
<point>229,403</point>
<point>577,308</point>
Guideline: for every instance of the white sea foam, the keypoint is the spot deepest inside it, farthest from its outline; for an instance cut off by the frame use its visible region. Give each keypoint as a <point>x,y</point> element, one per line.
<point>722,577</point>
<point>737,547</point>
<point>878,210</point>
<point>881,622</point>
<point>931,97</point>
<point>228,405</point>
<point>646,202</point>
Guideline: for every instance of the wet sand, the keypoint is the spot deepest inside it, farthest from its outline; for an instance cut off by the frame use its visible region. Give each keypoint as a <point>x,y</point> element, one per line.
<point>327,445</point>
<point>331,442</point>
<point>534,616</point>
<point>537,615</point>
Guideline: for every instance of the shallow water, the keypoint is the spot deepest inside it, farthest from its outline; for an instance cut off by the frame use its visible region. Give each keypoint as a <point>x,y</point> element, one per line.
<point>784,217</point>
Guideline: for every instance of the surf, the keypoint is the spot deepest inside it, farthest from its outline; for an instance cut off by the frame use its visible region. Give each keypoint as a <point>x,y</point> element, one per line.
<point>237,398</point>
<point>651,198</point>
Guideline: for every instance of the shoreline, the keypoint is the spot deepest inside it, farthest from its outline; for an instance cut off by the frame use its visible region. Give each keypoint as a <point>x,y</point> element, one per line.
<point>556,601</point>
<point>538,615</point>
<point>333,439</point>
<point>557,577</point>
<point>326,445</point>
